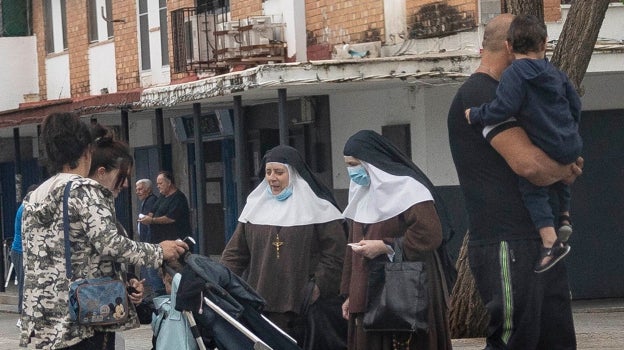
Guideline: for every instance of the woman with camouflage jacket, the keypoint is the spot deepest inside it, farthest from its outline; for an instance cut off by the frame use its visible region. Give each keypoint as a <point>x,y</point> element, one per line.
<point>94,236</point>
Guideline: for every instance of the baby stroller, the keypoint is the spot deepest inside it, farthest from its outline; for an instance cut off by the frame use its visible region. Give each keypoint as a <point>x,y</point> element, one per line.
<point>224,311</point>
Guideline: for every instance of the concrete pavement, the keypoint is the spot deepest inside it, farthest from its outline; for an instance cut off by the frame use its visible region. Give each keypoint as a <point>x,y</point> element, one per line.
<point>599,325</point>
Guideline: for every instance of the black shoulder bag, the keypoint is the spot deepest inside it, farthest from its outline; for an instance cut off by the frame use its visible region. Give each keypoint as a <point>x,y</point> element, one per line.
<point>397,295</point>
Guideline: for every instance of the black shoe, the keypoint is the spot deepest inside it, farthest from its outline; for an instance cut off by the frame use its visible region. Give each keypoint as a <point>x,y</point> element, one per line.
<point>558,251</point>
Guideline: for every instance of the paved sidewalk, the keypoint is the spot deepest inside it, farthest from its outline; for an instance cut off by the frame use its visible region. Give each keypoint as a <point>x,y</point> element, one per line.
<point>599,325</point>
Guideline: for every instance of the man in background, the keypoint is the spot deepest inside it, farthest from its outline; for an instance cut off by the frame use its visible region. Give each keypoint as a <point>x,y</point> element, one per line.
<point>170,216</point>
<point>147,200</point>
<point>143,189</point>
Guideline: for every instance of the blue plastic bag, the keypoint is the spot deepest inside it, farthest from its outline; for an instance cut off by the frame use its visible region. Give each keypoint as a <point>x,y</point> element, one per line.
<point>170,326</point>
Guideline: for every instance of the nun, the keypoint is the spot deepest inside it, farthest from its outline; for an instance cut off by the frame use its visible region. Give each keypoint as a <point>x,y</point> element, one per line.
<point>391,198</point>
<point>290,231</point>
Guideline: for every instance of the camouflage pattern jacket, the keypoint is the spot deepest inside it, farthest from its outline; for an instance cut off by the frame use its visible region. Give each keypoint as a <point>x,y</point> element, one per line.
<point>95,244</point>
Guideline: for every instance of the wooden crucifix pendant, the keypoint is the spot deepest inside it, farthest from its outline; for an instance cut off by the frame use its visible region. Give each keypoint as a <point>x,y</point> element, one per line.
<point>277,244</point>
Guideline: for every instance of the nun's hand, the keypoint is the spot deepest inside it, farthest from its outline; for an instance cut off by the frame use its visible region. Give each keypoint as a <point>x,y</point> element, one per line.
<point>316,293</point>
<point>370,248</point>
<point>345,309</point>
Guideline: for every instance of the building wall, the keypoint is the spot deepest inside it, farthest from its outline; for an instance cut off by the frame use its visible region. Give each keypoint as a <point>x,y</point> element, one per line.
<point>425,108</point>
<point>38,32</point>
<point>126,45</point>
<point>19,66</point>
<point>78,46</point>
<point>102,68</point>
<point>292,13</point>
<point>372,109</point>
<point>244,8</point>
<point>413,6</point>
<point>612,25</point>
<point>334,22</point>
<point>552,10</point>
<point>443,17</point>
<point>57,76</point>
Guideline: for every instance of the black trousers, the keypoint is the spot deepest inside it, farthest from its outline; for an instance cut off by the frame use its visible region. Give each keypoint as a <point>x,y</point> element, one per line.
<point>527,310</point>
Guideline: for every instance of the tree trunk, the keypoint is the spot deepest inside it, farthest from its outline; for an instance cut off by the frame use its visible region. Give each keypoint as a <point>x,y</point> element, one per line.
<point>578,38</point>
<point>468,316</point>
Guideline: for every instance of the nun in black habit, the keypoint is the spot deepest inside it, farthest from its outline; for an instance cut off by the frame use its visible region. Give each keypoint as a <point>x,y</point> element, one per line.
<point>391,198</point>
<point>290,231</point>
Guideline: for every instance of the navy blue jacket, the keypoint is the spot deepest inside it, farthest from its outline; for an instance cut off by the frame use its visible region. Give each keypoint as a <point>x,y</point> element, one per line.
<point>544,102</point>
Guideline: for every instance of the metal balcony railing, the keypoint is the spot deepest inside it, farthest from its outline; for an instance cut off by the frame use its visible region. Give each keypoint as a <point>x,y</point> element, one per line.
<point>193,30</point>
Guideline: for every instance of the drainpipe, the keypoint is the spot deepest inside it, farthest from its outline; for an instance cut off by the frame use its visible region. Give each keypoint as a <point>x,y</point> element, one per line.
<point>125,134</point>
<point>200,179</point>
<point>18,165</point>
<point>242,179</point>
<point>160,137</point>
<point>281,113</point>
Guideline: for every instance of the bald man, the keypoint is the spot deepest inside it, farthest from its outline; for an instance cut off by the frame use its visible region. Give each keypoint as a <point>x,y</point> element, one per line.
<point>527,310</point>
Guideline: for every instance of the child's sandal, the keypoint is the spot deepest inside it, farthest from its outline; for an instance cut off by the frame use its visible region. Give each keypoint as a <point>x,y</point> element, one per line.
<point>557,252</point>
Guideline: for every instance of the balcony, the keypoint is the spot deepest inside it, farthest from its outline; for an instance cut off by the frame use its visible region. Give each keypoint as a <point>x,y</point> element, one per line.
<point>206,40</point>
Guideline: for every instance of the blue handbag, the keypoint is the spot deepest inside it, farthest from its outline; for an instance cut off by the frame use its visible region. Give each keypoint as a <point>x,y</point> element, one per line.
<point>93,301</point>
<point>98,301</point>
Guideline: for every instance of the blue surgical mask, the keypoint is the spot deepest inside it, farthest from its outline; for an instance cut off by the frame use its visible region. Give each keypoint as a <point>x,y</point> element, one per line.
<point>359,175</point>
<point>282,196</point>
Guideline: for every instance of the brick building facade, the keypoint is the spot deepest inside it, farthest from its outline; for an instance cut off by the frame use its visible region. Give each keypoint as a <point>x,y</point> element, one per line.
<point>38,31</point>
<point>328,23</point>
<point>126,46</point>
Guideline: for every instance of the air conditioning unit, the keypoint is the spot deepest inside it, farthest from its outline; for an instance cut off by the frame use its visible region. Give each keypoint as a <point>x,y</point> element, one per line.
<point>229,40</point>
<point>261,32</point>
<point>202,39</point>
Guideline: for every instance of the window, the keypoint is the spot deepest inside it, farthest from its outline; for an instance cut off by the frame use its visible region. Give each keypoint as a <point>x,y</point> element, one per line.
<point>212,5</point>
<point>100,20</point>
<point>144,35</point>
<point>15,18</point>
<point>55,25</point>
<point>153,28</point>
<point>164,37</point>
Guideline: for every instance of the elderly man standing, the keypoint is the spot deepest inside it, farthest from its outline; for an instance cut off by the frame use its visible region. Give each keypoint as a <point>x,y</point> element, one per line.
<point>147,198</point>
